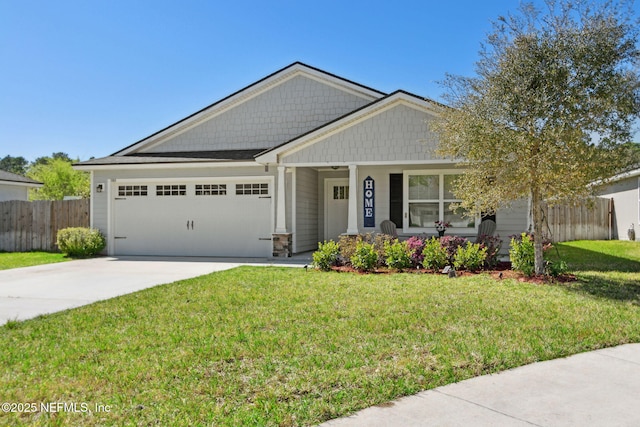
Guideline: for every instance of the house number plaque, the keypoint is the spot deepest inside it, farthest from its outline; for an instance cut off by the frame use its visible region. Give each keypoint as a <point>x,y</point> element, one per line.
<point>369,202</point>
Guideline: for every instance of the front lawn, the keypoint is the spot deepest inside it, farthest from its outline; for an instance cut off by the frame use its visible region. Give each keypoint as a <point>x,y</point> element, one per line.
<point>27,259</point>
<point>282,346</point>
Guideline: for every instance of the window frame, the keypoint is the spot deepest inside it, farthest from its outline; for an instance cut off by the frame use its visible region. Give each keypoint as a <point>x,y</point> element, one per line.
<point>440,173</point>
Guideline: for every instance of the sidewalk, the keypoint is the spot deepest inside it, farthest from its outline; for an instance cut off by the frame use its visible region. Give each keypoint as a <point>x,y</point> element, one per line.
<point>598,388</point>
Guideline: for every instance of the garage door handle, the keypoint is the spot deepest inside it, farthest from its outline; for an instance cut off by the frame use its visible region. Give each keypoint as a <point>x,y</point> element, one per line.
<point>119,237</point>
<point>192,225</point>
<point>264,238</point>
<point>264,197</point>
<point>188,225</point>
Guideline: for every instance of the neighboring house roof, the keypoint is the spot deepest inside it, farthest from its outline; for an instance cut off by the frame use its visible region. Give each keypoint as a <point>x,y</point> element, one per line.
<point>15,179</point>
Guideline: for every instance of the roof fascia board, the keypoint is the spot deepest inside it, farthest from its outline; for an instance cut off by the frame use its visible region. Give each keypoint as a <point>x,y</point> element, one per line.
<point>328,165</point>
<point>149,166</point>
<point>247,94</point>
<point>21,183</point>
<point>359,116</point>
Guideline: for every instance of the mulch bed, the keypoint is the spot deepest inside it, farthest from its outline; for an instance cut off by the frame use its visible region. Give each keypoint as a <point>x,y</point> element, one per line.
<point>501,271</point>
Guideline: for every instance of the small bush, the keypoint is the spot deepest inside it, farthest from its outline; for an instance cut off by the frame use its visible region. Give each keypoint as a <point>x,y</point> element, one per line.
<point>416,246</point>
<point>470,257</point>
<point>451,245</point>
<point>434,255</point>
<point>380,242</point>
<point>365,257</point>
<point>556,268</point>
<point>80,241</point>
<point>493,245</point>
<point>522,254</point>
<point>397,255</point>
<point>326,256</point>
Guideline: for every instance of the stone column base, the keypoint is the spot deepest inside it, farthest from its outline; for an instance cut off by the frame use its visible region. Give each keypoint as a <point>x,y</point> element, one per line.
<point>282,245</point>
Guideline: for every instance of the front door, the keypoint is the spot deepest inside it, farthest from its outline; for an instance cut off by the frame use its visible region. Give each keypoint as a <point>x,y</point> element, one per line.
<point>336,207</point>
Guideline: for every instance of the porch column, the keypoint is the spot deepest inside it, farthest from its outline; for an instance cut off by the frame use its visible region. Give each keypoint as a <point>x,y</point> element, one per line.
<point>352,222</point>
<point>281,206</point>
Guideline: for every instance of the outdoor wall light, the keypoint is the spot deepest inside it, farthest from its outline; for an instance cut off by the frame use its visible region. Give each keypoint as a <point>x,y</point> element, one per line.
<point>335,167</point>
<point>99,188</point>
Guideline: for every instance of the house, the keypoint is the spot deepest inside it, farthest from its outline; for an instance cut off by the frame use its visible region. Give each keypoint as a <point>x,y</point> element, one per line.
<point>624,189</point>
<point>298,157</point>
<point>15,187</point>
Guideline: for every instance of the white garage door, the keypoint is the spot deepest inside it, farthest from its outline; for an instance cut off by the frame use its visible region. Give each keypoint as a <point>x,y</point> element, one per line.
<point>231,218</point>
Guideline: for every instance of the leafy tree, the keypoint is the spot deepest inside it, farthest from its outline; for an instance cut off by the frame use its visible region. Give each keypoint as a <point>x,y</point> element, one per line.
<point>59,180</point>
<point>17,165</point>
<point>550,109</point>
<point>46,159</point>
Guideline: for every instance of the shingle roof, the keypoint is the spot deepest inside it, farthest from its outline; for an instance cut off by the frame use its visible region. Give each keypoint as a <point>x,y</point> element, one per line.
<point>177,157</point>
<point>12,177</point>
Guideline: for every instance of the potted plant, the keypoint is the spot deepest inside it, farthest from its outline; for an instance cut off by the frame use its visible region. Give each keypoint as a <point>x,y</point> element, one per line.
<point>441,226</point>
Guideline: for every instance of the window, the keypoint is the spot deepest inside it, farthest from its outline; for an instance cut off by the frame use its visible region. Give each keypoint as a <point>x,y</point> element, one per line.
<point>429,199</point>
<point>211,189</point>
<point>248,189</point>
<point>132,190</point>
<point>171,190</point>
<point>340,192</point>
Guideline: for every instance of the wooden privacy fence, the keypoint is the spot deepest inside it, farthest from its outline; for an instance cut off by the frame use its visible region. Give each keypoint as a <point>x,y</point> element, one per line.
<point>31,226</point>
<point>584,222</point>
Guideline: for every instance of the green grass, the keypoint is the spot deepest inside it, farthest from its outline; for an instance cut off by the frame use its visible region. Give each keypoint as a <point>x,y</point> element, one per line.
<point>608,269</point>
<point>281,346</point>
<point>27,259</point>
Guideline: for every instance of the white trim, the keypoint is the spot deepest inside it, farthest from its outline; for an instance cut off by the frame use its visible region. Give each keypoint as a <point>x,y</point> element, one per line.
<point>203,179</point>
<point>294,216</point>
<point>188,165</point>
<point>92,198</point>
<point>21,184</point>
<point>110,219</point>
<point>441,201</point>
<point>281,211</point>
<point>328,165</point>
<point>328,182</point>
<point>352,218</point>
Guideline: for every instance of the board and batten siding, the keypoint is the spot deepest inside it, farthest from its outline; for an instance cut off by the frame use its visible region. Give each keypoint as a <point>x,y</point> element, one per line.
<point>307,207</point>
<point>277,115</point>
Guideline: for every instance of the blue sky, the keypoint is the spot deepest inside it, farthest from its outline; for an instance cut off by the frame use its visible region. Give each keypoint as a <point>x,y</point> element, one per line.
<point>91,77</point>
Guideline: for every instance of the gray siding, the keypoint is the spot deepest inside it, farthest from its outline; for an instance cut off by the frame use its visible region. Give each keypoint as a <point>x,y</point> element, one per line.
<point>306,210</point>
<point>275,116</point>
<point>396,134</point>
<point>13,192</point>
<point>626,201</point>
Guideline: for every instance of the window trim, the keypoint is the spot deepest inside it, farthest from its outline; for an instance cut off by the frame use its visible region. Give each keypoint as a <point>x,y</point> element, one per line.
<point>441,173</point>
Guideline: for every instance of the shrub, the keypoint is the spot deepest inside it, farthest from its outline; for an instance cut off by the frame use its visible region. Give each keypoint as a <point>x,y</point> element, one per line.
<point>556,268</point>
<point>416,246</point>
<point>470,257</point>
<point>347,246</point>
<point>380,242</point>
<point>451,245</point>
<point>326,256</point>
<point>365,257</point>
<point>522,254</point>
<point>434,255</point>
<point>397,255</point>
<point>80,241</point>
<point>493,245</point>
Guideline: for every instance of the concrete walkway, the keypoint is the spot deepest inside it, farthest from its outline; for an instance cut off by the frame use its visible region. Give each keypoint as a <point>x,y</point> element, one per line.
<point>598,388</point>
<point>31,291</point>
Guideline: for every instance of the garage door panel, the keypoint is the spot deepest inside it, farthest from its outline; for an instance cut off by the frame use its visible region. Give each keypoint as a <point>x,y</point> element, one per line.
<point>194,225</point>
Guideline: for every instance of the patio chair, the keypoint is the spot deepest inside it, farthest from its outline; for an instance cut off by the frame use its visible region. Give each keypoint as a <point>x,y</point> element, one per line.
<point>486,228</point>
<point>388,227</point>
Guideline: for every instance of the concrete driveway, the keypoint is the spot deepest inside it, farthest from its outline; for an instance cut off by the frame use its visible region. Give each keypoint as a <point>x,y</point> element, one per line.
<point>31,291</point>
